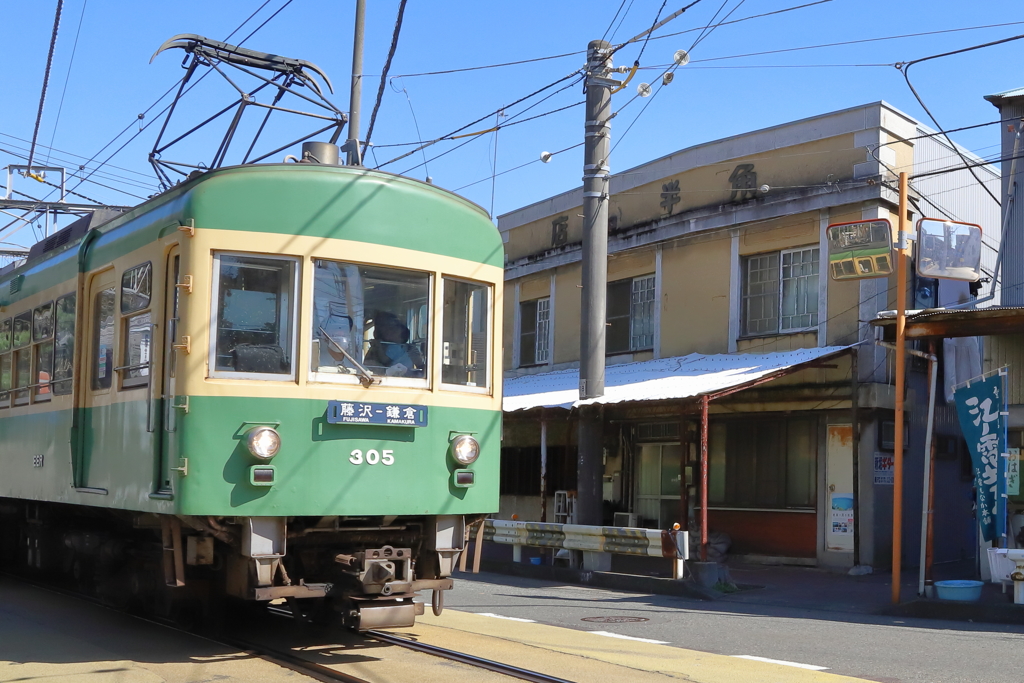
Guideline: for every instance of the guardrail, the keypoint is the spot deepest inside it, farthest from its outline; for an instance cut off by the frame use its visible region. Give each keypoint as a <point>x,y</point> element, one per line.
<point>672,544</point>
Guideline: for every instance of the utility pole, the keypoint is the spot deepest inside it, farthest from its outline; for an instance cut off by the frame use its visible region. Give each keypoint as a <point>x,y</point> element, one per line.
<point>353,157</point>
<point>901,375</point>
<point>593,313</point>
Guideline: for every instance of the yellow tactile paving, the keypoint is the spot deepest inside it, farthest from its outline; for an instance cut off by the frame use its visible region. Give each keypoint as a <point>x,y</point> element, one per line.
<point>582,656</point>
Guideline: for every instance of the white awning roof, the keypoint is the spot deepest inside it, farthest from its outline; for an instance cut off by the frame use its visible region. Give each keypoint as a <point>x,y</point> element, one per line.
<point>657,380</point>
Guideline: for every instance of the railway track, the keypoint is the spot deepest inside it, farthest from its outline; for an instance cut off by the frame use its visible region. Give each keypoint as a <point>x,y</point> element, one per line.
<point>471,660</point>
<point>303,665</point>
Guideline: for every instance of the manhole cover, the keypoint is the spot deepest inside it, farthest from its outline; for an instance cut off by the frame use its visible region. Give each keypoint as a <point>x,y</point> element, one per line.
<point>613,620</point>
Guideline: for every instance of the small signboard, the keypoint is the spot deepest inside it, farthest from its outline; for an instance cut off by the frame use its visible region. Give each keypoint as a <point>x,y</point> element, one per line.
<point>357,412</point>
<point>885,472</point>
<point>860,249</point>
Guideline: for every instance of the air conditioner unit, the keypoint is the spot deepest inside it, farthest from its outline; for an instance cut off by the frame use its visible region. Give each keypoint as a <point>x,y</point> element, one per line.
<point>625,519</point>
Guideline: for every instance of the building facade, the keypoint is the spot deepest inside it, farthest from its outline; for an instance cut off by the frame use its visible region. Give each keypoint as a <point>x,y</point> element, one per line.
<point>720,250</point>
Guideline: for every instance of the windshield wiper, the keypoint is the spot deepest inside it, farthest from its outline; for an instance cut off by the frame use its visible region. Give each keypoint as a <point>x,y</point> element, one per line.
<point>365,378</point>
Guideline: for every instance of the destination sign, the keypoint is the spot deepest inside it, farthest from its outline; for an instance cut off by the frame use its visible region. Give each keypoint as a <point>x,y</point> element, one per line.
<point>356,412</point>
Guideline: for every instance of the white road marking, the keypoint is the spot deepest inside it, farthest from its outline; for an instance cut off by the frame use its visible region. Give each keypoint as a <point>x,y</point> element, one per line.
<point>499,616</point>
<point>619,635</point>
<point>798,665</point>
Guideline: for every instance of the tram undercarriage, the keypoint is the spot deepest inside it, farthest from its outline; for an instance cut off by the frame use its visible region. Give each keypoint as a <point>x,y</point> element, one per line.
<point>364,570</point>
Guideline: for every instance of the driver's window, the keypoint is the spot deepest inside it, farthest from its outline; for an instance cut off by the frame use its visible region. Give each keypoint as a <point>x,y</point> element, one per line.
<point>370,321</point>
<point>255,317</point>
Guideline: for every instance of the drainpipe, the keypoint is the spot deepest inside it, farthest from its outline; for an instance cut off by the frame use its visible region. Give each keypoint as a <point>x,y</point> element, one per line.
<point>704,478</point>
<point>855,419</point>
<point>543,467</point>
<point>926,507</point>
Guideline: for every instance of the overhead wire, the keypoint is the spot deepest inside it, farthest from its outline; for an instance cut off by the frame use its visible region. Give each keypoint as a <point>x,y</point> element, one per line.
<point>94,182</point>
<point>473,136</point>
<point>612,22</point>
<point>905,69</point>
<point>194,84</point>
<point>516,168</point>
<point>623,19</point>
<point>671,70</point>
<point>265,21</point>
<point>58,157</point>
<point>707,29</point>
<point>578,53</point>
<point>157,102</point>
<point>416,124</point>
<point>858,41</point>
<point>452,135</point>
<point>384,75</point>
<point>247,20</point>
<point>67,77</point>
<point>46,81</point>
<point>647,38</point>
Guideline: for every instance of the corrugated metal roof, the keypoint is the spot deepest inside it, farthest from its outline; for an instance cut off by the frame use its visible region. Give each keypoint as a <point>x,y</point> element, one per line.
<point>656,380</point>
<point>884,317</point>
<point>1017,92</point>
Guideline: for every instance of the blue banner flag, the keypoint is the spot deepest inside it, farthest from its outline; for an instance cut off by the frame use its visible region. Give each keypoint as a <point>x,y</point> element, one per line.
<point>979,405</point>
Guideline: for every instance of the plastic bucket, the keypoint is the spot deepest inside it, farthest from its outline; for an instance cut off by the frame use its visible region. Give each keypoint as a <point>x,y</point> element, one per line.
<point>964,591</point>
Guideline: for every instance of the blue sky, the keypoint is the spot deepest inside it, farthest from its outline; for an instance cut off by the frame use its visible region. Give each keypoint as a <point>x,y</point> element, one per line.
<point>111,80</point>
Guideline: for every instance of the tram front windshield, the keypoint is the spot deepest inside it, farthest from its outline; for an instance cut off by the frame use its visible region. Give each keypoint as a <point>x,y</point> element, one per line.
<point>370,320</point>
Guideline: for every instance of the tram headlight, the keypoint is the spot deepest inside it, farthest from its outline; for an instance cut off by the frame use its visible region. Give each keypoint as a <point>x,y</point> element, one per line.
<point>263,442</point>
<point>465,449</point>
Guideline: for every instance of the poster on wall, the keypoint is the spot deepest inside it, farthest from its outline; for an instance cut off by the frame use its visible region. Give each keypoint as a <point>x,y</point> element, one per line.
<point>885,472</point>
<point>980,407</point>
<point>842,513</point>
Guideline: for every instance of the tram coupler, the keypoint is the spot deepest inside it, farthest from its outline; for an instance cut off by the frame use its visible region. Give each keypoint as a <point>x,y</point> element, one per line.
<point>381,571</point>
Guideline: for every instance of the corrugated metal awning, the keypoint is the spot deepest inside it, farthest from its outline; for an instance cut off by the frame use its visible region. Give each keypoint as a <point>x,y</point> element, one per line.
<point>942,323</point>
<point>658,380</point>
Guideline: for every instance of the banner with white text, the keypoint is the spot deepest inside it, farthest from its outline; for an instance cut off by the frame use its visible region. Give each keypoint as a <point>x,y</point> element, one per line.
<point>979,405</point>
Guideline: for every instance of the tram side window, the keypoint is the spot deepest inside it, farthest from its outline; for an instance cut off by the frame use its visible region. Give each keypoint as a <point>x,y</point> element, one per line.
<point>370,319</point>
<point>64,345</point>
<point>42,341</point>
<point>103,339</point>
<point>136,293</point>
<point>255,319</point>
<point>22,342</point>
<point>5,363</point>
<point>465,345</point>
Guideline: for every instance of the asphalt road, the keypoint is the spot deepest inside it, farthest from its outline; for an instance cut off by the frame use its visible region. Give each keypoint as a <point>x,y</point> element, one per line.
<point>877,648</point>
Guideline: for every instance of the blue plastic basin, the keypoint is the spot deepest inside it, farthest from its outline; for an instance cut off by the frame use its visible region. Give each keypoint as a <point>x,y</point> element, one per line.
<point>964,591</point>
<point>535,560</point>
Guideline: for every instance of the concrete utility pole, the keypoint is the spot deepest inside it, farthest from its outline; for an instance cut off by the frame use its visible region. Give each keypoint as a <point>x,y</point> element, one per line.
<point>593,313</point>
<point>353,157</point>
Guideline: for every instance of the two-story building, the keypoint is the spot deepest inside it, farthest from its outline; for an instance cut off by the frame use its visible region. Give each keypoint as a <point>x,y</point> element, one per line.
<point>718,286</point>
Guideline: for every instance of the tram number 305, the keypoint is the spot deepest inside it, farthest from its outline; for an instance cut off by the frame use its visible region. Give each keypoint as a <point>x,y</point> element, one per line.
<point>372,457</point>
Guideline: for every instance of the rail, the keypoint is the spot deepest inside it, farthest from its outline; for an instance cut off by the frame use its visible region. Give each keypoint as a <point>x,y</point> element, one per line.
<point>471,660</point>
